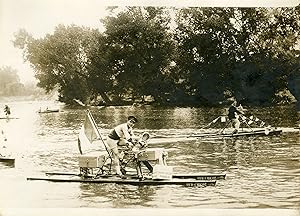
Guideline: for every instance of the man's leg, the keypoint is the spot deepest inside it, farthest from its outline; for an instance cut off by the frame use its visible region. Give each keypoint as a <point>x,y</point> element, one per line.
<point>116,162</point>
<point>139,170</point>
<point>115,155</point>
<point>148,165</point>
<point>236,124</point>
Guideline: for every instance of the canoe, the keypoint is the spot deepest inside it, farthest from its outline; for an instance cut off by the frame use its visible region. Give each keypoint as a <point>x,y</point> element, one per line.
<point>197,176</point>
<point>8,117</point>
<point>7,160</point>
<point>128,181</point>
<point>262,132</point>
<point>49,111</point>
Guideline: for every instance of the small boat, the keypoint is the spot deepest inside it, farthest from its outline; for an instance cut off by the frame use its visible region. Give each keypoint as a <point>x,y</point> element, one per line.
<point>8,117</point>
<point>9,161</point>
<point>48,111</point>
<point>5,155</point>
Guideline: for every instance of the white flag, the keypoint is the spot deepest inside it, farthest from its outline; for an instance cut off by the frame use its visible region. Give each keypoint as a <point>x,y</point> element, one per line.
<point>88,134</point>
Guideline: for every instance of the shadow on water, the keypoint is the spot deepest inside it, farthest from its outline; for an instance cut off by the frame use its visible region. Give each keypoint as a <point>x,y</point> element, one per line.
<point>117,196</point>
<point>7,165</point>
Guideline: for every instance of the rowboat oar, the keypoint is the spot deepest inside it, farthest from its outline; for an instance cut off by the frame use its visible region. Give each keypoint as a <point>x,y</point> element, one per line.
<point>212,122</point>
<point>79,102</point>
<point>221,131</point>
<point>245,121</point>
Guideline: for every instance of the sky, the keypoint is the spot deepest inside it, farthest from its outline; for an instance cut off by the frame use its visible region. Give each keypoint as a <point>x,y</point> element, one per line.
<point>40,17</point>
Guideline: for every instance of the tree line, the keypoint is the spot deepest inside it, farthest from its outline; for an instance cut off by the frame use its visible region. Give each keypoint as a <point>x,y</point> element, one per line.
<point>171,56</point>
<point>10,84</point>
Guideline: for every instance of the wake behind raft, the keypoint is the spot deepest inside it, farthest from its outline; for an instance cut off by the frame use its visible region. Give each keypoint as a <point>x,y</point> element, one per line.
<point>95,167</point>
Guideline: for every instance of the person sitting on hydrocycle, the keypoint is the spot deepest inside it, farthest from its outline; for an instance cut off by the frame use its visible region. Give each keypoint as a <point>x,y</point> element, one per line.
<point>133,151</point>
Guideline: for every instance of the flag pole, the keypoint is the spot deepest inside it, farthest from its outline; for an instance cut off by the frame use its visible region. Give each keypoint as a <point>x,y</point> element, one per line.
<point>89,113</point>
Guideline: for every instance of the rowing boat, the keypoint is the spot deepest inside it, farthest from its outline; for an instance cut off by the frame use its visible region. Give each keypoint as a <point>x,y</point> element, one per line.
<point>8,117</point>
<point>49,111</point>
<point>128,181</point>
<point>7,160</point>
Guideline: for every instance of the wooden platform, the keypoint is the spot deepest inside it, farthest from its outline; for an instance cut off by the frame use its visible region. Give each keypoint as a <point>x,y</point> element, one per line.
<point>197,176</point>
<point>261,132</point>
<point>130,181</point>
<point>48,111</point>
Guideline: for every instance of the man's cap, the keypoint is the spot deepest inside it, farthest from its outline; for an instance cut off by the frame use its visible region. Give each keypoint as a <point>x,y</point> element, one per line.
<point>132,118</point>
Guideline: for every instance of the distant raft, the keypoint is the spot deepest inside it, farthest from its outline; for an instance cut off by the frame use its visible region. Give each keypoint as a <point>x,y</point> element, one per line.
<point>259,132</point>
<point>261,128</point>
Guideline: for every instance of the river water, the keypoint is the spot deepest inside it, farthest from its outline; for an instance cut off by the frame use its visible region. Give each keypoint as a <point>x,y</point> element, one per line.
<point>262,172</point>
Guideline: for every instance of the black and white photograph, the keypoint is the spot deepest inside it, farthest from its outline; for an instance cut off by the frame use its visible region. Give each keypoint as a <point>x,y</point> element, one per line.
<point>149,107</point>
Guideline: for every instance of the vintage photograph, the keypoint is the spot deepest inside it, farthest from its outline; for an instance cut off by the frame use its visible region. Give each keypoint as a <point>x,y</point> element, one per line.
<point>149,108</point>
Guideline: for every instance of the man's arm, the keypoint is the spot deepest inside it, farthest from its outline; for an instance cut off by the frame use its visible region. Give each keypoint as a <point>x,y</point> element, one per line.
<point>240,110</point>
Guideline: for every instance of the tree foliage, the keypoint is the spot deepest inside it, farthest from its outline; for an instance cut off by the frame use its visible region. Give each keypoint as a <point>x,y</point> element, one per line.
<point>140,49</point>
<point>206,54</point>
<point>10,84</point>
<point>9,81</point>
<point>203,56</point>
<point>61,60</point>
<point>241,52</point>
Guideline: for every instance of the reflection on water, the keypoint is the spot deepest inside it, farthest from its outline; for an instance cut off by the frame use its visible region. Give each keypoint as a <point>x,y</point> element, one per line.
<point>117,196</point>
<point>261,171</point>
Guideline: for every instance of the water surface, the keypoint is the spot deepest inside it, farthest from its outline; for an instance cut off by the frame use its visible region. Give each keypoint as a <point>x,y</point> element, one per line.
<point>262,172</point>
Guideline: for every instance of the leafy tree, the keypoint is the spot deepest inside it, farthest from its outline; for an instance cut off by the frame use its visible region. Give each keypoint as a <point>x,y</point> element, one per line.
<point>61,60</point>
<point>209,55</point>
<point>140,49</point>
<point>243,52</point>
<point>206,53</point>
<point>267,40</point>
